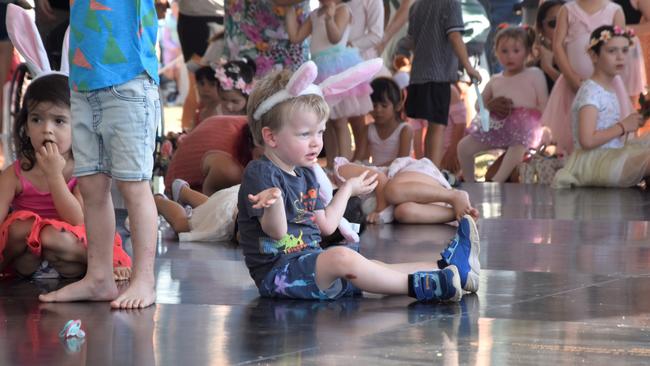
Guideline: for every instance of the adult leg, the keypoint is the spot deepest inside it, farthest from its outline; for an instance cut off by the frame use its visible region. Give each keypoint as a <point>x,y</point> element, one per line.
<point>99,217</point>
<point>173,213</point>
<point>220,171</point>
<point>142,213</point>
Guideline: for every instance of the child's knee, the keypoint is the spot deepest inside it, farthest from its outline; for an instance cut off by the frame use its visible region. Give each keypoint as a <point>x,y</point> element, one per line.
<point>403,212</point>
<point>339,258</point>
<point>60,245</point>
<point>392,193</point>
<point>19,230</point>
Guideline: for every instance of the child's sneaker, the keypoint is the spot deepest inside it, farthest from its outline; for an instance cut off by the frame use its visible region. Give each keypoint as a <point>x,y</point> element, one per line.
<point>177,185</point>
<point>463,252</point>
<point>442,285</point>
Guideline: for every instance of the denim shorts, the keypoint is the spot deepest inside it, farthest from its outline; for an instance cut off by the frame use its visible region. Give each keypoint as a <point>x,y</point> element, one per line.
<point>295,278</point>
<point>114,129</point>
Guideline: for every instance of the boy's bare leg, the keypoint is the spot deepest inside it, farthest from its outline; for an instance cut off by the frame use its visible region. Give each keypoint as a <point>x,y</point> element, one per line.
<point>434,142</point>
<point>341,262</point>
<point>99,216</point>
<point>142,213</point>
<point>173,212</point>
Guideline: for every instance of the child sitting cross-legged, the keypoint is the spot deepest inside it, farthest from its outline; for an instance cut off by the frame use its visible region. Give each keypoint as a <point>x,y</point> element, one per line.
<point>281,216</point>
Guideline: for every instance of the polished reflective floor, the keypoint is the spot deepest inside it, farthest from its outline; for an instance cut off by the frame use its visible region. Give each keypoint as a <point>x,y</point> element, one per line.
<point>565,281</point>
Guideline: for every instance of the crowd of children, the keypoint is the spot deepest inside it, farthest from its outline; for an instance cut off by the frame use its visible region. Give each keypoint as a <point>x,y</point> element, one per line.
<point>249,169</point>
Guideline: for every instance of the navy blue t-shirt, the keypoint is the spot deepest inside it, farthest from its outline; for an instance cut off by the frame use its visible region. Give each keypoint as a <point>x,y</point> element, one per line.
<point>300,195</point>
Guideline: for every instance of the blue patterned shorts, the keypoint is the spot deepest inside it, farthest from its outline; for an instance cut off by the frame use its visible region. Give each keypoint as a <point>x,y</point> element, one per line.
<point>295,278</point>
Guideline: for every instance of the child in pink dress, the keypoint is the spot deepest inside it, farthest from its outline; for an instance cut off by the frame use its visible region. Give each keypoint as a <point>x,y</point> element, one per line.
<point>40,203</point>
<point>575,22</point>
<point>515,99</point>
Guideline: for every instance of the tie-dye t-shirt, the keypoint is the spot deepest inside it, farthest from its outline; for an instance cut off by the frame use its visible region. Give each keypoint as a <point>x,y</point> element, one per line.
<point>111,42</point>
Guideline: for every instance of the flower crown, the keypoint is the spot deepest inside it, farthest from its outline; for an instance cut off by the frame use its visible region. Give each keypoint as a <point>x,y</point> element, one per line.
<point>228,83</point>
<point>605,35</point>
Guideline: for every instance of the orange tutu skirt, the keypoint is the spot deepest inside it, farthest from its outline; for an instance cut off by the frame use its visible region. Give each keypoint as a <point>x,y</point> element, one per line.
<point>120,257</point>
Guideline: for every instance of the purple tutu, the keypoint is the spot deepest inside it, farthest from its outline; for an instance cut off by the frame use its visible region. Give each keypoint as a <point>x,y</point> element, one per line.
<point>522,127</point>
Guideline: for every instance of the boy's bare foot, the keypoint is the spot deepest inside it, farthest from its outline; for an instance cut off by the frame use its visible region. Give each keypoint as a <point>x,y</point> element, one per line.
<point>83,290</point>
<point>462,206</point>
<point>121,273</point>
<point>139,294</point>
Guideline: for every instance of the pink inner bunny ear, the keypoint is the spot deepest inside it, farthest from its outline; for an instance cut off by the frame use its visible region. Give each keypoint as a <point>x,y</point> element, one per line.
<point>351,77</point>
<point>25,37</point>
<point>302,78</point>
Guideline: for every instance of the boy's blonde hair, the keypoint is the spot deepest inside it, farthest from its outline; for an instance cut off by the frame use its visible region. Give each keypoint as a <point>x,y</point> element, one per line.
<point>276,116</point>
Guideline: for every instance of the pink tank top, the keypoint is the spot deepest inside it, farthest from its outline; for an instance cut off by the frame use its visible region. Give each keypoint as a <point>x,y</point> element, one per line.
<point>33,200</point>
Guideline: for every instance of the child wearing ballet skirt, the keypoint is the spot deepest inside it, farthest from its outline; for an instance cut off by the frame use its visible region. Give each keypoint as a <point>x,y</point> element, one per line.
<point>602,156</point>
<point>515,99</point>
<point>329,28</point>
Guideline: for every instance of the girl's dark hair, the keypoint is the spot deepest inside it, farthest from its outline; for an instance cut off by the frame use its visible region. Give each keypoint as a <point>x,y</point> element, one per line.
<point>205,73</point>
<point>244,68</point>
<point>385,90</point>
<point>51,89</point>
<point>525,34</point>
<point>614,31</point>
<point>543,10</point>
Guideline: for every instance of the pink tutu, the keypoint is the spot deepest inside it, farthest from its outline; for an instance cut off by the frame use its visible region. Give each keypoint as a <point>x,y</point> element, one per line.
<point>521,127</point>
<point>333,61</point>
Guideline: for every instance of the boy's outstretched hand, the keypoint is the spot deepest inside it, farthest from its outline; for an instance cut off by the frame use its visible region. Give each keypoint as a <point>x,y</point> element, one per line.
<point>266,198</point>
<point>362,184</point>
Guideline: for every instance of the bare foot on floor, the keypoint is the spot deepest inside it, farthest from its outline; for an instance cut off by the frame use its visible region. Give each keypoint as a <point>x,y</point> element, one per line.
<point>121,273</point>
<point>462,206</point>
<point>140,294</point>
<point>83,290</point>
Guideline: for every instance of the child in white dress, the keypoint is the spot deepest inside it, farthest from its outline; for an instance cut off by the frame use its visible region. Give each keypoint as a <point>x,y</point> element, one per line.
<point>602,156</point>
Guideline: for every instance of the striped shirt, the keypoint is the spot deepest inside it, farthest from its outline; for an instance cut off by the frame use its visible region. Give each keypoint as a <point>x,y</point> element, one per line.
<point>430,22</point>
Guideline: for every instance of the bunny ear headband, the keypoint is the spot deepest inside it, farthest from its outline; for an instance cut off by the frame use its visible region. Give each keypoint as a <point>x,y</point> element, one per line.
<point>301,83</point>
<point>25,37</point>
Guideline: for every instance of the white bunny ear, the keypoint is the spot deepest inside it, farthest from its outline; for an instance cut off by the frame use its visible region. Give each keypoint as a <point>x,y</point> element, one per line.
<point>25,37</point>
<point>65,59</point>
<point>348,79</point>
<point>302,78</point>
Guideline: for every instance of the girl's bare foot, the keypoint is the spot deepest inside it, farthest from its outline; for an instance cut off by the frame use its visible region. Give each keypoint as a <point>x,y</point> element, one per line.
<point>121,273</point>
<point>85,289</point>
<point>140,294</point>
<point>461,205</point>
